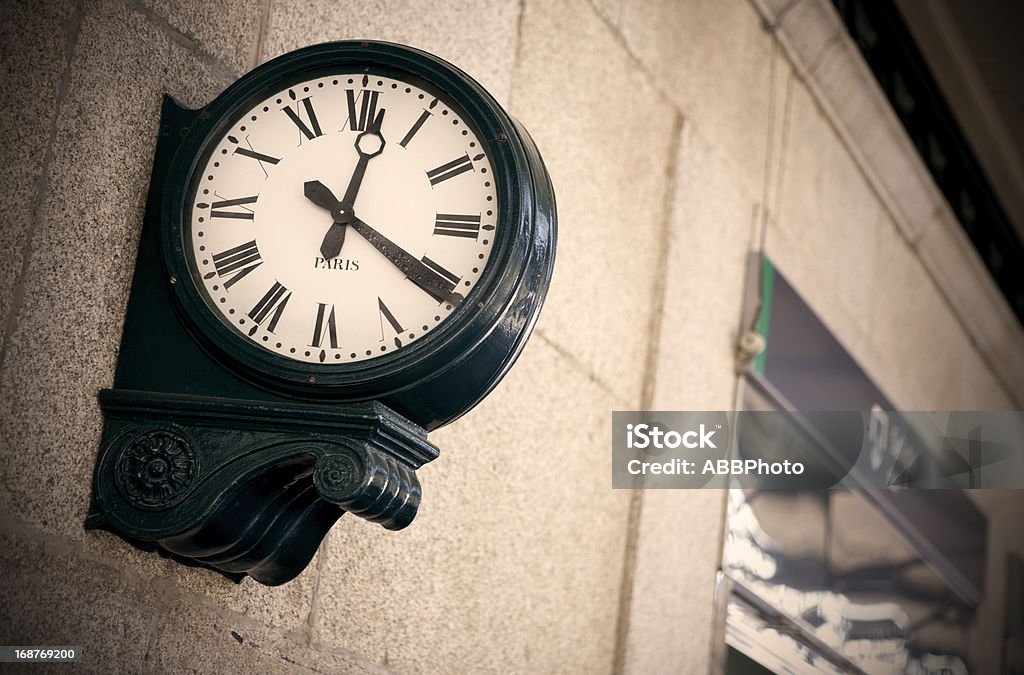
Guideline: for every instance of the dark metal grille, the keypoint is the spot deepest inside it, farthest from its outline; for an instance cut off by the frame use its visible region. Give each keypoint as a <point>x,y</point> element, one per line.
<point>883,38</point>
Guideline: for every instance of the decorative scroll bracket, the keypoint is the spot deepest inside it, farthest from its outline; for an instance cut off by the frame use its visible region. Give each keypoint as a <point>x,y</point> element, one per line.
<point>249,487</point>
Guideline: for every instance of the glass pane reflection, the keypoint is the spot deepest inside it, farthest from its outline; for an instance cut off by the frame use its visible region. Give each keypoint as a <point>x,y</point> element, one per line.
<point>825,569</point>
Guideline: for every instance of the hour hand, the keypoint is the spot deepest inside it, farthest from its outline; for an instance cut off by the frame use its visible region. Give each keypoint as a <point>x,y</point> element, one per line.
<point>330,247</point>
<point>321,195</point>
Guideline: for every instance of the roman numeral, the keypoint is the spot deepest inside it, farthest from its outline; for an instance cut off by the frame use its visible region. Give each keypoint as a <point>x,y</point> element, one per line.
<point>251,153</point>
<point>415,127</point>
<point>258,156</point>
<point>325,327</point>
<point>295,117</point>
<point>450,170</point>
<point>366,102</point>
<point>387,314</point>
<point>234,263</point>
<point>455,225</point>
<point>274,301</point>
<point>440,271</point>
<point>245,213</point>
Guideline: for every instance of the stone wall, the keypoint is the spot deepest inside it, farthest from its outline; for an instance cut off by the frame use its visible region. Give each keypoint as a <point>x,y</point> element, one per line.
<point>675,133</point>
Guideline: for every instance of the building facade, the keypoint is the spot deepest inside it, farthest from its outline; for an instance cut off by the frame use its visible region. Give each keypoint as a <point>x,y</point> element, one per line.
<point>681,138</point>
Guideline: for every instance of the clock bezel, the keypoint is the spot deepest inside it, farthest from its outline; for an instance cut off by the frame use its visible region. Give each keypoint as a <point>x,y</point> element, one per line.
<point>458,334</point>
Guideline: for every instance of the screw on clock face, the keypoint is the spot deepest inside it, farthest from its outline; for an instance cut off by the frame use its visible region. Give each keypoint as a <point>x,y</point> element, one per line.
<point>369,144</point>
<point>439,286</point>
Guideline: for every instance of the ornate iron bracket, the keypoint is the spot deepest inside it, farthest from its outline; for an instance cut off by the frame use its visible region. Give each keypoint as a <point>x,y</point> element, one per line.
<point>218,453</point>
<point>249,487</point>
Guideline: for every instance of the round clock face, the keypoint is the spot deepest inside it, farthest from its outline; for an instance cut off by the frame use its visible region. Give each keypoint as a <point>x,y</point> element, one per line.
<point>342,218</point>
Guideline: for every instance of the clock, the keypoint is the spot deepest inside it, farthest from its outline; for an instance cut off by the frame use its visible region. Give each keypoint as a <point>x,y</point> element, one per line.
<point>346,249</point>
<point>344,245</point>
<point>355,219</point>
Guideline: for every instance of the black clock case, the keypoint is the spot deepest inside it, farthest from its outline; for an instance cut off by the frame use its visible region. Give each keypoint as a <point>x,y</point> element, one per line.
<point>218,453</point>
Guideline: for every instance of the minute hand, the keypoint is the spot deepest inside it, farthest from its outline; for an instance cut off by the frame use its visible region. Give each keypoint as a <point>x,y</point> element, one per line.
<point>335,237</point>
<point>416,271</point>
